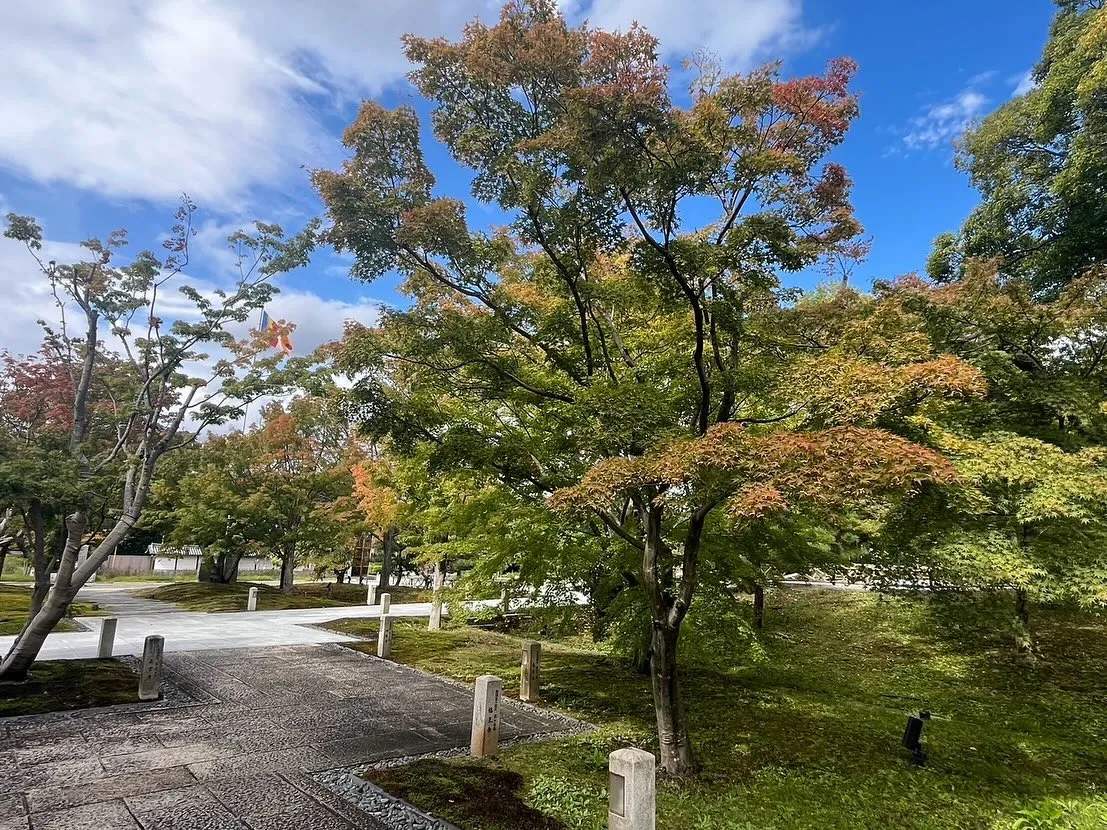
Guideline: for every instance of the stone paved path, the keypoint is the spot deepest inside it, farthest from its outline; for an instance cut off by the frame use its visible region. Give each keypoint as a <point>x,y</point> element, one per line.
<point>194,630</point>
<point>121,602</point>
<point>239,764</point>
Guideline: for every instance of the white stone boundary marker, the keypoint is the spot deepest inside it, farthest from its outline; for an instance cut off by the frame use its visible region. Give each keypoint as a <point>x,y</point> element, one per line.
<point>371,595</point>
<point>149,678</point>
<point>386,603</point>
<point>486,717</point>
<point>435,623</point>
<point>632,790</point>
<point>384,637</point>
<point>528,682</point>
<point>252,600</point>
<point>107,637</point>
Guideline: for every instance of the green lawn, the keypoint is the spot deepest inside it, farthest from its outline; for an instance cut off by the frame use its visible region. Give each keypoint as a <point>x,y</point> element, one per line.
<point>15,600</point>
<point>208,596</point>
<point>60,685</point>
<point>806,735</point>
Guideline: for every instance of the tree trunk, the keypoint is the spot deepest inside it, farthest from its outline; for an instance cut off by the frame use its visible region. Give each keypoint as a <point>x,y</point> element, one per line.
<point>1022,607</point>
<point>388,547</point>
<point>677,758</point>
<point>28,644</point>
<point>758,606</point>
<point>39,560</point>
<point>640,656</point>
<point>288,568</point>
<point>668,607</point>
<point>224,570</point>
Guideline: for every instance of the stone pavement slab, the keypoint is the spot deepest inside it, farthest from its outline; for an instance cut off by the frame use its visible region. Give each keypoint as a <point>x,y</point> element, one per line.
<point>244,763</point>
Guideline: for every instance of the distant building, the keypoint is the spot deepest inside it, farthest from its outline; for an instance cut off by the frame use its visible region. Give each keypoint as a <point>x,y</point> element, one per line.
<point>164,560</point>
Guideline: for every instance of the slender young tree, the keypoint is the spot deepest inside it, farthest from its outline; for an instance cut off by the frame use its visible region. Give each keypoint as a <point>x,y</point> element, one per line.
<point>112,314</point>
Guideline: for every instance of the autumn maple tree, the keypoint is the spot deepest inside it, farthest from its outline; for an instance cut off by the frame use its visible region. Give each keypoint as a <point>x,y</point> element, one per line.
<point>1030,515</point>
<point>620,347</point>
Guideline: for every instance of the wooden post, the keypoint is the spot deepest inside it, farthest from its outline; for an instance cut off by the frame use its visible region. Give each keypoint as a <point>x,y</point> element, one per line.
<point>529,680</point>
<point>485,740</point>
<point>107,637</point>
<point>384,637</point>
<point>150,675</point>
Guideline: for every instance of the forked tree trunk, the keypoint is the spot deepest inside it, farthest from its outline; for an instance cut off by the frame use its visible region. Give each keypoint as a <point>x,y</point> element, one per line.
<point>224,570</point>
<point>677,758</point>
<point>668,608</point>
<point>25,650</point>
<point>70,579</point>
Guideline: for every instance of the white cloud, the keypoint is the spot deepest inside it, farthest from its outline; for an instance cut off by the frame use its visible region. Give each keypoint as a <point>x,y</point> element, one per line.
<point>26,293</point>
<point>1024,83</point>
<point>738,31</point>
<point>943,122</point>
<point>149,99</point>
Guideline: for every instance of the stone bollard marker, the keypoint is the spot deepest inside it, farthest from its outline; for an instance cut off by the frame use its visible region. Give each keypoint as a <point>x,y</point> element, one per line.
<point>107,637</point>
<point>386,603</point>
<point>486,717</point>
<point>384,637</point>
<point>252,600</point>
<point>528,682</point>
<point>435,623</point>
<point>371,596</point>
<point>150,675</point>
<point>632,790</point>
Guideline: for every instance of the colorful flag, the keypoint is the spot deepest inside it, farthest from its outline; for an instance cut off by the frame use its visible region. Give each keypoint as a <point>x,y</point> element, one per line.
<point>276,338</point>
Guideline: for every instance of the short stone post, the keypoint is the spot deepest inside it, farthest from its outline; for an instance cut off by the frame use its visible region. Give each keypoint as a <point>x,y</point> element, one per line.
<point>486,717</point>
<point>371,595</point>
<point>528,682</point>
<point>505,601</point>
<point>107,637</point>
<point>150,675</point>
<point>386,603</point>
<point>632,803</point>
<point>252,600</point>
<point>435,623</point>
<point>384,637</point>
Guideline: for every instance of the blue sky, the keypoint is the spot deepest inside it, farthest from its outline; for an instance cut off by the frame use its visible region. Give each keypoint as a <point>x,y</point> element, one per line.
<point>113,107</point>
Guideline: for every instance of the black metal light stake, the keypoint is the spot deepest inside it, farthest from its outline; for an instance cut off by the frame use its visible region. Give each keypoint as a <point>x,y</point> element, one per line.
<point>912,737</point>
